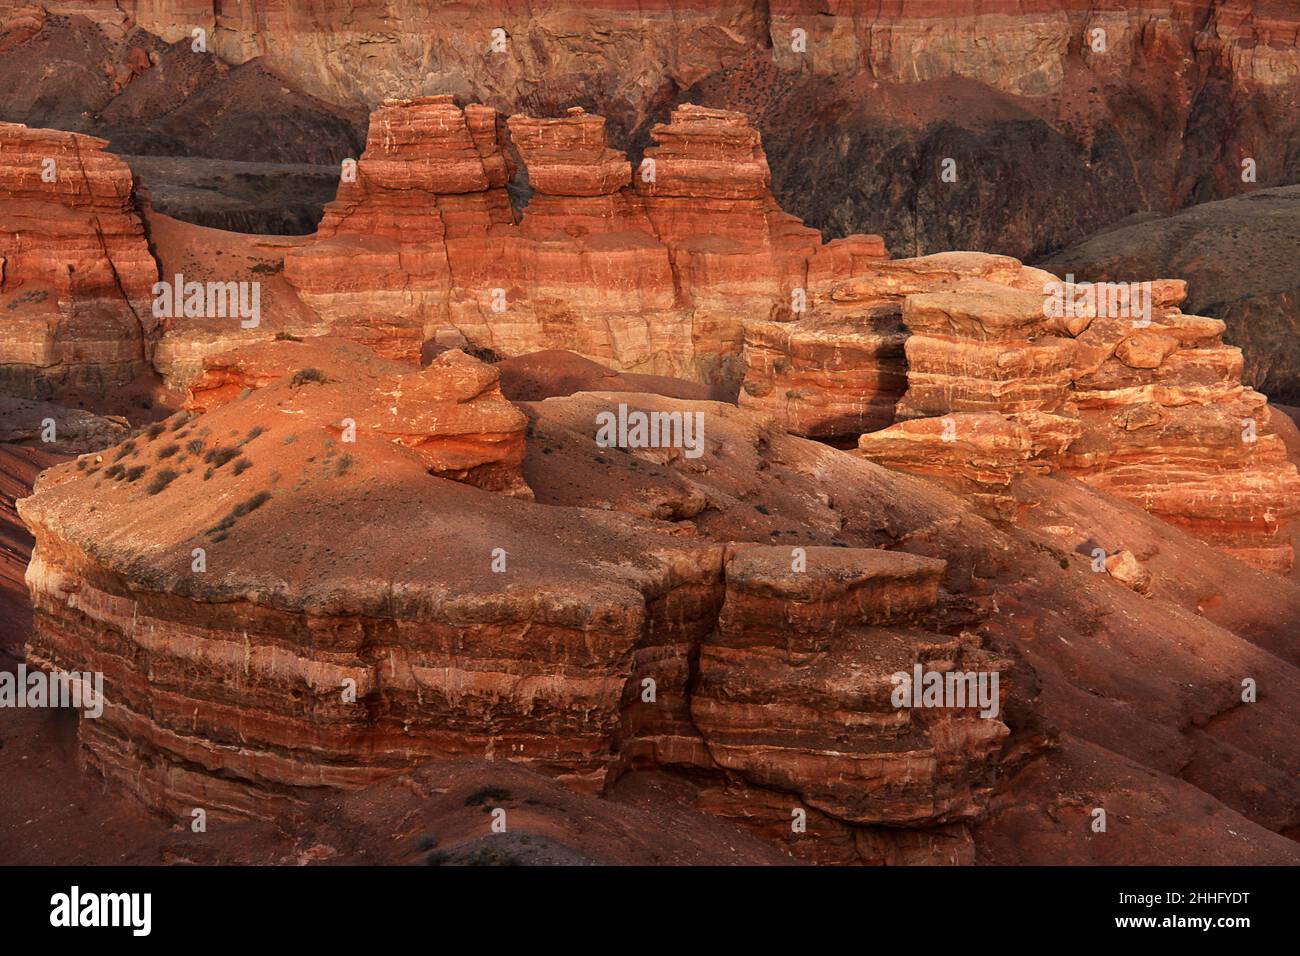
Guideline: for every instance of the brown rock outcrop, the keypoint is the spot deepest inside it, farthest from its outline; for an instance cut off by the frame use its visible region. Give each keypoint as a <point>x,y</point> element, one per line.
<point>75,270</point>
<point>987,383</point>
<point>1009,374</point>
<point>841,369</point>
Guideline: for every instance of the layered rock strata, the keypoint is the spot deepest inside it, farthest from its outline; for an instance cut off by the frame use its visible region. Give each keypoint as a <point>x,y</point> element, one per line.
<point>1168,425</point>
<point>397,617</point>
<point>76,273</point>
<point>654,270</point>
<point>1112,383</point>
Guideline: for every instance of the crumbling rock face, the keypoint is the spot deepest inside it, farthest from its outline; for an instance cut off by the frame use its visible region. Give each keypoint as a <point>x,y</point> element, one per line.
<point>1241,260</point>
<point>1168,425</point>
<point>1055,139</point>
<point>380,263</point>
<point>1112,383</point>
<point>75,270</point>
<point>840,369</point>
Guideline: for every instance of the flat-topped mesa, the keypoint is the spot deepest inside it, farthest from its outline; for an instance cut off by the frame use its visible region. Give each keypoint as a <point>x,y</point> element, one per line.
<point>244,568</point>
<point>377,269</point>
<point>76,275</point>
<point>1168,425</point>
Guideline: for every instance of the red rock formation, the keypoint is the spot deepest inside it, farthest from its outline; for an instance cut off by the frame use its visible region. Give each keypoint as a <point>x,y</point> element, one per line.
<point>1168,425</point>
<point>227,688</point>
<point>379,267</point>
<point>75,270</point>
<point>812,652</point>
<point>452,414</point>
<point>657,278</point>
<point>1113,383</point>
<point>451,665</point>
<point>840,369</point>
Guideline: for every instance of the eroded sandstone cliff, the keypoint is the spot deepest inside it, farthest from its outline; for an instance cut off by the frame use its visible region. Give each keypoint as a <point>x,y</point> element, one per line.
<point>75,269</point>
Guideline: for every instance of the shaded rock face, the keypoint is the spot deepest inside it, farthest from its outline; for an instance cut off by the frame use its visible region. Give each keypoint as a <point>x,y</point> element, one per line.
<point>89,68</point>
<point>76,273</point>
<point>553,372</point>
<point>1239,258</point>
<point>177,114</point>
<point>277,198</point>
<point>840,367</point>
<point>56,429</point>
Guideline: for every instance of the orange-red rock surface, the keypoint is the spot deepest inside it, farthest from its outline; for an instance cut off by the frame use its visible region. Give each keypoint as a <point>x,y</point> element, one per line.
<point>1126,392</point>
<point>328,562</point>
<point>1168,424</point>
<point>452,647</point>
<point>75,269</point>
<point>655,277</point>
<point>336,564</point>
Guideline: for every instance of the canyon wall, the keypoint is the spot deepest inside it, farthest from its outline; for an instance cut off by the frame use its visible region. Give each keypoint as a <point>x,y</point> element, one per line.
<point>655,271</point>
<point>76,273</point>
<point>1050,117</point>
